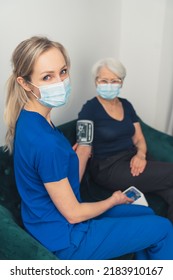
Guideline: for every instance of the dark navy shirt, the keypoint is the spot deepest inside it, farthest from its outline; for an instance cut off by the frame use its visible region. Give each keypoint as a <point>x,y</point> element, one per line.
<point>111,136</point>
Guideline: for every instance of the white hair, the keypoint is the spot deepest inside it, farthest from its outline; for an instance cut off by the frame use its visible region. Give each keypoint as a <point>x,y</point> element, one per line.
<point>113,65</point>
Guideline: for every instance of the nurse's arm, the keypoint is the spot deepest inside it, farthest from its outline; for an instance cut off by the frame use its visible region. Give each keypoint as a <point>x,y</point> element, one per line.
<point>65,201</point>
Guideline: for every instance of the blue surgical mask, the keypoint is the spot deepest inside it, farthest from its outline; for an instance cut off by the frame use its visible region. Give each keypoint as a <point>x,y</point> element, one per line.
<point>54,95</point>
<point>108,91</point>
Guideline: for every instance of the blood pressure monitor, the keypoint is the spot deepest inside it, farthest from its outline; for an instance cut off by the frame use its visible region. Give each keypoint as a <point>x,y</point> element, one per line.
<point>84,132</point>
<point>136,195</point>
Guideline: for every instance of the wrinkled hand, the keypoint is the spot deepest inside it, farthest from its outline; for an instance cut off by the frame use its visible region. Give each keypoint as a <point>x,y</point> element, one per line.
<point>137,165</point>
<point>120,198</point>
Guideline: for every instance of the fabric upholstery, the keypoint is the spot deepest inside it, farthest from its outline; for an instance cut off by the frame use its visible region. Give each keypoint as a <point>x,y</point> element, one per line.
<point>16,243</point>
<point>160,144</point>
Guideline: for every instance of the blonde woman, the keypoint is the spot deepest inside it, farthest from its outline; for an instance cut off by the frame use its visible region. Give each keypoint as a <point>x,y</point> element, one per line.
<point>47,170</point>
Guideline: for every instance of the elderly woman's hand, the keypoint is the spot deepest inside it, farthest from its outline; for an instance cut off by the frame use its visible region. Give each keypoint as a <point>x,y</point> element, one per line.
<point>137,165</point>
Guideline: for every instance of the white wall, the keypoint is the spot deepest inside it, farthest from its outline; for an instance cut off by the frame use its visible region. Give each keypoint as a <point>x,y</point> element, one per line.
<point>139,32</point>
<point>87,29</point>
<point>146,49</point>
<point>164,103</point>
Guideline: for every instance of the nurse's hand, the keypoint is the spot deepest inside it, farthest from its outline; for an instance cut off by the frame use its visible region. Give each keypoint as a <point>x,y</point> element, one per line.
<point>120,198</point>
<point>75,146</point>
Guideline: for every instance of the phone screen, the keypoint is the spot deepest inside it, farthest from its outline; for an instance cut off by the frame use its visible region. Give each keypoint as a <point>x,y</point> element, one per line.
<point>132,193</point>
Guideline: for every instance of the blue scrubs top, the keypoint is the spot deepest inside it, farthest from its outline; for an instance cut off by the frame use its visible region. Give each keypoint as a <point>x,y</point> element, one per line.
<point>111,136</point>
<point>41,155</point>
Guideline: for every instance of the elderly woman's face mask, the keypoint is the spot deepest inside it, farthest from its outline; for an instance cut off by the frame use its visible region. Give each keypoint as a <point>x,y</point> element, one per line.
<point>108,91</point>
<point>108,84</point>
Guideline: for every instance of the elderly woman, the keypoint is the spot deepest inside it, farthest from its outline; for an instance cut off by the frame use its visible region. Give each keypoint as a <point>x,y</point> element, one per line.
<point>119,151</point>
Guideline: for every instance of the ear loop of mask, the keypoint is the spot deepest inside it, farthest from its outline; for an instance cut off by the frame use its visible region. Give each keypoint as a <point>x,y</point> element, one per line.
<point>37,98</point>
<point>35,95</point>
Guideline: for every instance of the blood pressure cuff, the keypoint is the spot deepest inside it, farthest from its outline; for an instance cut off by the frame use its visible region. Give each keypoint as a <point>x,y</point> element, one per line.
<point>84,132</point>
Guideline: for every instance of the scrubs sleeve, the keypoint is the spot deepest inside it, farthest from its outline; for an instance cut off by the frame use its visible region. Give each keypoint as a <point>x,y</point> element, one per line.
<point>52,163</point>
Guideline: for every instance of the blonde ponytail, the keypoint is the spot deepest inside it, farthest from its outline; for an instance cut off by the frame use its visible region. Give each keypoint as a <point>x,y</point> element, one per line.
<point>15,101</point>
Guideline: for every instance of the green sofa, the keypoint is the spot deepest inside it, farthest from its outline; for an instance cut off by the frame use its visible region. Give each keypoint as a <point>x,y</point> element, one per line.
<point>15,242</point>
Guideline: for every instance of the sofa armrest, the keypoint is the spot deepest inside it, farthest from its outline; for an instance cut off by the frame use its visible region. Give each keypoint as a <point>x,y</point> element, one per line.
<point>159,144</point>
<point>16,243</point>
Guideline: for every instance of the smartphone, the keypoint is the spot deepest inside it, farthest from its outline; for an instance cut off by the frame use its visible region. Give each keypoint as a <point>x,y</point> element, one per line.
<point>136,195</point>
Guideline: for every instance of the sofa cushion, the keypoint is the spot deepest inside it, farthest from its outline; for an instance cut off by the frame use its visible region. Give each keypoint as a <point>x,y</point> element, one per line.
<point>9,196</point>
<point>17,244</point>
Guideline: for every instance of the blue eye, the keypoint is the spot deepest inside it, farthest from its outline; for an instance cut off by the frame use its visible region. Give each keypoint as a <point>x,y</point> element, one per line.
<point>64,72</point>
<point>46,78</point>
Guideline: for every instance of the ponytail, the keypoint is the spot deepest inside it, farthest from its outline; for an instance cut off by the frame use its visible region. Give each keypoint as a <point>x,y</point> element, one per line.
<point>15,101</point>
